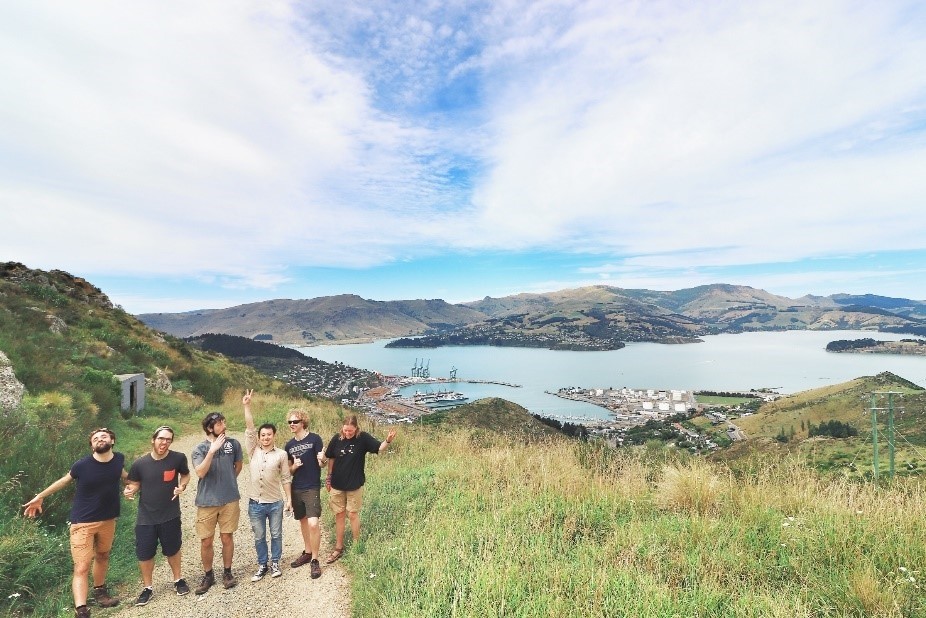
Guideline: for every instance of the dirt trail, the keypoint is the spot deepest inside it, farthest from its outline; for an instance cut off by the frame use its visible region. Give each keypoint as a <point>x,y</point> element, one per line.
<point>293,594</point>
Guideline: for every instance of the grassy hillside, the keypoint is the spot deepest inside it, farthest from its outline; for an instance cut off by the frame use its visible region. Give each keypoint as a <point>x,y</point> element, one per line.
<point>847,403</point>
<point>492,417</point>
<point>460,525</point>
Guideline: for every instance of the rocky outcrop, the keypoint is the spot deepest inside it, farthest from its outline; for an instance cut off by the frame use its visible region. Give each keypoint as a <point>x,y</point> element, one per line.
<point>159,382</point>
<point>11,389</point>
<point>55,282</point>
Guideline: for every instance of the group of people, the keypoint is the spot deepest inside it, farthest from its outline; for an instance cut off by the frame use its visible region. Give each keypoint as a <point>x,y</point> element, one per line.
<point>281,480</point>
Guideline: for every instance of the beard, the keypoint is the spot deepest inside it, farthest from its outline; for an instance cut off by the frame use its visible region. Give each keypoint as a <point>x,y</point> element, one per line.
<point>102,448</point>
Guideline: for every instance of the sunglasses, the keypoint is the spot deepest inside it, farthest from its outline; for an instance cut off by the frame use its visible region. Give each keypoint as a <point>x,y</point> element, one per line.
<point>294,422</point>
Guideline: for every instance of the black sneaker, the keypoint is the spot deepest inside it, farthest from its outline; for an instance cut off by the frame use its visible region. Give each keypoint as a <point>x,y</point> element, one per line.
<point>144,597</point>
<point>181,586</point>
<point>207,583</point>
<point>303,558</point>
<point>102,598</point>
<point>261,571</point>
<point>316,569</point>
<point>275,569</point>
<point>228,580</point>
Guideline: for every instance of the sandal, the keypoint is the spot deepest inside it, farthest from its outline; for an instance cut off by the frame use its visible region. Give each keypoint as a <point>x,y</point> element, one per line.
<point>333,557</point>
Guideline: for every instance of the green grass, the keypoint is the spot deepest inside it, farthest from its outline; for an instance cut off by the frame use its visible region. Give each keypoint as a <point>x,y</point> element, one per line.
<point>453,528</point>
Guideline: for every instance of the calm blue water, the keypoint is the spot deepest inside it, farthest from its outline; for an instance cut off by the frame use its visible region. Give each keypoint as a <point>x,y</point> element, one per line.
<point>788,361</point>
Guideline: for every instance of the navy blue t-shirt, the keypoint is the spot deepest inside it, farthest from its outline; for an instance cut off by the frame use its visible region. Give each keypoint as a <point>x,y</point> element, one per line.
<point>308,475</point>
<point>98,489</point>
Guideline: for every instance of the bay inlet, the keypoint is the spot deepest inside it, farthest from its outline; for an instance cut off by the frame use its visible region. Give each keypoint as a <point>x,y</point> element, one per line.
<point>789,362</point>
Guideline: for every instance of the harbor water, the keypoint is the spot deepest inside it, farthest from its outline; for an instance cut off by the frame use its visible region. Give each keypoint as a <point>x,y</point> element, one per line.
<point>789,362</point>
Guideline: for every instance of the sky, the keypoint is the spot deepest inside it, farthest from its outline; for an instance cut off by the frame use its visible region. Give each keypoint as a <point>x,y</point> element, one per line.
<point>210,153</point>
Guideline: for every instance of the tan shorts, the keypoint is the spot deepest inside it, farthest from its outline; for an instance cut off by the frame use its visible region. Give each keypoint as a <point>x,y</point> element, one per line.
<point>89,538</point>
<point>339,501</point>
<point>226,516</point>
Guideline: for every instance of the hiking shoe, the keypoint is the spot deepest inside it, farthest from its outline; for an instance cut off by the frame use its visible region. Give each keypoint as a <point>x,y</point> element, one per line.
<point>144,597</point>
<point>229,581</point>
<point>181,586</point>
<point>303,558</point>
<point>102,598</point>
<point>275,569</point>
<point>82,612</point>
<point>316,569</point>
<point>261,571</point>
<point>207,582</point>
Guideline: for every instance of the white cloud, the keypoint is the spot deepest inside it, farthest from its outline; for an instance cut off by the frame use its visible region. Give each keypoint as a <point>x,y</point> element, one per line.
<point>244,139</point>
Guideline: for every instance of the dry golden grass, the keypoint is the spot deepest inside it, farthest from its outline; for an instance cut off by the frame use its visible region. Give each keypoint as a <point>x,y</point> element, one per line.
<point>692,486</point>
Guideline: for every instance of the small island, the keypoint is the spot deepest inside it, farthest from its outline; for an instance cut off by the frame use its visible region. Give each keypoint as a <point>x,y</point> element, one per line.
<point>915,347</point>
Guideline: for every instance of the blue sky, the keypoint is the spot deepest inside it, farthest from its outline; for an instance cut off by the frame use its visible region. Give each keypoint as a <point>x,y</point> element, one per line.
<point>206,153</point>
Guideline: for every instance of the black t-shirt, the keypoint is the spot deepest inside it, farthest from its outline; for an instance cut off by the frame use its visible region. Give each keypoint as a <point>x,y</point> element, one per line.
<point>308,475</point>
<point>97,497</point>
<point>349,459</point>
<point>158,478</point>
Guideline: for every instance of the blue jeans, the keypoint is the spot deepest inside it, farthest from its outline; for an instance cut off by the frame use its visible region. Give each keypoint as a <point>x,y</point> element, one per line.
<point>259,513</point>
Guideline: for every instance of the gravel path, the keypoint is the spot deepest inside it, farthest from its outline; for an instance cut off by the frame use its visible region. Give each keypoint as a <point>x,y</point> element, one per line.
<point>293,594</point>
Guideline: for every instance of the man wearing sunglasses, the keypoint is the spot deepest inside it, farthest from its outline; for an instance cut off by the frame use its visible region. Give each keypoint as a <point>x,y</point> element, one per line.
<point>93,516</point>
<point>217,461</point>
<point>160,476</point>
<point>304,451</point>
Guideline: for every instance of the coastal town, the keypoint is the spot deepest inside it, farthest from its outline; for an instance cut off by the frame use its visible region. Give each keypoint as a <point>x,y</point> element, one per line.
<point>634,415</point>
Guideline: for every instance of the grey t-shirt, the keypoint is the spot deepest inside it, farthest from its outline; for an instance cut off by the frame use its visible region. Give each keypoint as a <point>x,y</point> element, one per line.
<point>220,485</point>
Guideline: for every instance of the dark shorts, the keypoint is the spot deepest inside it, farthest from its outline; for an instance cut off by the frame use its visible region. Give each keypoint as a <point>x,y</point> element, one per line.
<point>307,503</point>
<point>146,539</point>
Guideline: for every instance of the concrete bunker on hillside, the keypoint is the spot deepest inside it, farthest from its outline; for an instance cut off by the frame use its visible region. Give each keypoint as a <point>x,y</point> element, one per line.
<point>133,391</point>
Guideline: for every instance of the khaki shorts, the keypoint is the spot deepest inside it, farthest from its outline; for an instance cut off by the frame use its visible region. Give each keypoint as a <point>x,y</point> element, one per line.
<point>351,501</point>
<point>89,538</point>
<point>226,516</point>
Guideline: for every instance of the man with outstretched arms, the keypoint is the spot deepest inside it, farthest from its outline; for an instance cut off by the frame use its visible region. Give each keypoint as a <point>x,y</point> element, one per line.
<point>217,461</point>
<point>268,491</point>
<point>305,455</point>
<point>93,516</point>
<point>159,477</point>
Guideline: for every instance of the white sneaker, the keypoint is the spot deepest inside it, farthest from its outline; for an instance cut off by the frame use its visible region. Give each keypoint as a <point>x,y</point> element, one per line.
<point>275,569</point>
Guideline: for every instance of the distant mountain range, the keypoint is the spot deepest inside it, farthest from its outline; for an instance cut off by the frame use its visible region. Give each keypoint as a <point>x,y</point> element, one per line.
<point>594,317</point>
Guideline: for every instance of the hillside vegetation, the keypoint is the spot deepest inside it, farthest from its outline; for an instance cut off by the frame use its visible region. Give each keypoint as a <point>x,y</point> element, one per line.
<point>480,511</point>
<point>65,341</point>
<point>848,403</point>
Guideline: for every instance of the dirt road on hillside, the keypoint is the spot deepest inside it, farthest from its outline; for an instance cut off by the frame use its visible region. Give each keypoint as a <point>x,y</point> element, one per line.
<point>293,594</point>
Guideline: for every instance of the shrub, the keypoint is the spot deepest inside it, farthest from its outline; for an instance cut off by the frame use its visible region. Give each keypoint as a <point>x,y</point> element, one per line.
<point>207,384</point>
<point>691,486</point>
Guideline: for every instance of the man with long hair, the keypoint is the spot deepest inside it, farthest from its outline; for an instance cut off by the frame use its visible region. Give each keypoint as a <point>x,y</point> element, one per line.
<point>346,457</point>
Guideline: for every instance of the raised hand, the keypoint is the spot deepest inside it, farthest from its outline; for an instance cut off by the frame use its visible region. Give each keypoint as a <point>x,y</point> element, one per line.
<point>217,443</point>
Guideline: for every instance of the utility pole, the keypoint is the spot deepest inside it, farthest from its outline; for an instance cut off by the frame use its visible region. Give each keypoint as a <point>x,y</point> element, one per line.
<point>876,398</point>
